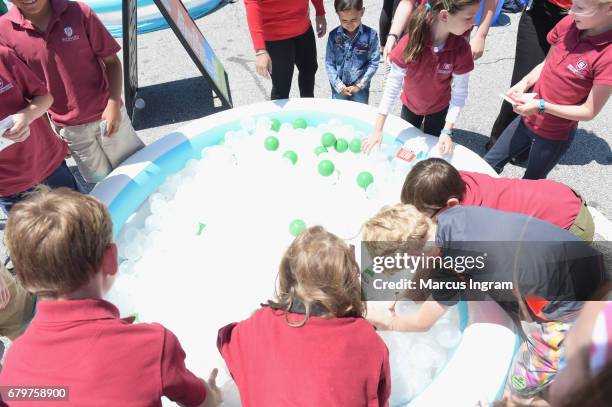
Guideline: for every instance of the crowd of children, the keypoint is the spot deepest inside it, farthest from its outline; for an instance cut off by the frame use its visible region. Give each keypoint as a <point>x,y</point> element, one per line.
<point>312,344</point>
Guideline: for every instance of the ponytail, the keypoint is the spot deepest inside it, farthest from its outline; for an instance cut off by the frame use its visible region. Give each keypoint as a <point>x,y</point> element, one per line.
<point>419,24</point>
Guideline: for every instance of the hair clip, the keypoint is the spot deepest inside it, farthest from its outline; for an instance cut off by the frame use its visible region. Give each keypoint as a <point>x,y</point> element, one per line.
<point>428,6</point>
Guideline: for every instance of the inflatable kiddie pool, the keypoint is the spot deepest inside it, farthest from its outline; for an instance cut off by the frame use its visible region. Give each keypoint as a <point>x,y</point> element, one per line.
<point>149,17</point>
<point>478,367</point>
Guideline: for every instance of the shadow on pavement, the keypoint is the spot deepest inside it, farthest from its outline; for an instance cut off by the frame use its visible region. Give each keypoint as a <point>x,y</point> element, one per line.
<point>174,102</point>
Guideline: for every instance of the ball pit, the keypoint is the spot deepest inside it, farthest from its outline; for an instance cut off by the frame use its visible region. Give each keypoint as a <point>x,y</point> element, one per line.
<point>131,193</point>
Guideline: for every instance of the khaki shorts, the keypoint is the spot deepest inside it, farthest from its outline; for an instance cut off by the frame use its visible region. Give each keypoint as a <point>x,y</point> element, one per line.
<point>15,317</point>
<point>96,155</point>
<point>583,225</point>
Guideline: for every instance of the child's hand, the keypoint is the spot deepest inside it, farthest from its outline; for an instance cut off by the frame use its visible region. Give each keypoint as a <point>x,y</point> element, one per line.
<point>354,89</point>
<point>21,128</point>
<point>5,296</point>
<point>112,115</point>
<point>213,394</point>
<point>528,108</point>
<point>478,45</point>
<point>347,91</point>
<point>517,90</point>
<point>371,142</point>
<point>380,319</point>
<point>321,25</point>
<point>263,64</point>
<point>389,45</point>
<point>445,144</point>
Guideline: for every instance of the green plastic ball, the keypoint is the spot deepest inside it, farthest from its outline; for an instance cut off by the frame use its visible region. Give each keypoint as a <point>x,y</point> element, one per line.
<point>299,123</point>
<point>341,145</point>
<point>275,126</point>
<point>319,150</point>
<point>296,227</point>
<point>291,155</point>
<point>326,168</point>
<point>355,145</point>
<point>328,139</point>
<point>364,179</point>
<point>271,143</point>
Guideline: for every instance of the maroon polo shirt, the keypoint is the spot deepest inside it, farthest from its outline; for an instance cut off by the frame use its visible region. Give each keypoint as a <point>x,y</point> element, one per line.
<point>544,199</point>
<point>575,64</point>
<point>337,362</point>
<point>25,164</point>
<point>68,56</point>
<point>427,85</point>
<point>102,359</point>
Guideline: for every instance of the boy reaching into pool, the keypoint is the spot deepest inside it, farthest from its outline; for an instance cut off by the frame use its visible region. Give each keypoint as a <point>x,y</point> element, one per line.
<point>66,44</point>
<point>573,84</point>
<point>353,53</point>
<point>61,244</point>
<point>537,272</point>
<point>431,63</point>
<point>433,185</point>
<point>311,346</point>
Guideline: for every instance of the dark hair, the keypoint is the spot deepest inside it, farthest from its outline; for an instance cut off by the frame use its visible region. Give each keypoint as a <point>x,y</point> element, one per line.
<point>420,22</point>
<point>431,183</point>
<point>346,5</point>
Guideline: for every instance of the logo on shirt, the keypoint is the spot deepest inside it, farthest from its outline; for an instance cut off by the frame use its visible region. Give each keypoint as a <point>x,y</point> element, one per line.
<point>70,36</point>
<point>445,69</point>
<point>5,87</point>
<point>581,68</point>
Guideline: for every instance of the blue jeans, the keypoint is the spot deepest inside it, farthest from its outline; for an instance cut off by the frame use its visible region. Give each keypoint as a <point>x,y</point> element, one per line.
<point>544,154</point>
<point>363,96</point>
<point>61,177</point>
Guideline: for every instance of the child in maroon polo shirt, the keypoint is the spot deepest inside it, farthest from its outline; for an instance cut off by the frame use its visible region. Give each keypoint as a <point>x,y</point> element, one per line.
<point>432,63</point>
<point>65,44</point>
<point>61,244</point>
<point>434,185</point>
<point>573,84</point>
<point>312,346</point>
<point>30,153</point>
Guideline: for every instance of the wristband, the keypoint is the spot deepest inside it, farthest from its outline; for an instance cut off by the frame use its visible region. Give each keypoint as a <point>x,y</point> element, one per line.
<point>258,53</point>
<point>542,105</point>
<point>447,132</point>
<point>394,36</point>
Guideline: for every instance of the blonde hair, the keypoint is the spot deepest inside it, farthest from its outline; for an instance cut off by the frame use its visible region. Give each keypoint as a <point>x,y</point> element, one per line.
<point>319,270</point>
<point>395,229</point>
<point>57,239</point>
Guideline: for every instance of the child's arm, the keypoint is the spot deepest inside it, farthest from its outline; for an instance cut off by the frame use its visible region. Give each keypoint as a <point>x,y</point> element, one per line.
<point>530,79</point>
<point>330,64</point>
<point>373,61</point>
<point>393,88</point>
<point>477,43</point>
<point>111,113</point>
<point>459,94</point>
<point>422,320</point>
<point>398,25</point>
<point>23,118</point>
<point>596,100</point>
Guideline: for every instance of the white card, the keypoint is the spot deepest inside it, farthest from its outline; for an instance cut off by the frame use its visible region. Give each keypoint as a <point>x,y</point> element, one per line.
<point>5,125</point>
<point>519,99</point>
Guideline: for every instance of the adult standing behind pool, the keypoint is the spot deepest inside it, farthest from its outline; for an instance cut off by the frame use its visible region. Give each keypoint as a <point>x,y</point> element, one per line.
<point>283,38</point>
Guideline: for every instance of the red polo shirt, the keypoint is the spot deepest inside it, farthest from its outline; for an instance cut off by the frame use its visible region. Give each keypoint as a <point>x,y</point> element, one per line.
<point>68,56</point>
<point>569,73</point>
<point>102,359</point>
<point>427,85</point>
<point>544,199</point>
<point>337,362</point>
<point>25,164</point>
<point>274,20</point>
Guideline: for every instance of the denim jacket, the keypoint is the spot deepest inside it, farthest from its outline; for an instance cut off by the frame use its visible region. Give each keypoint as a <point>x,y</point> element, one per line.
<point>352,61</point>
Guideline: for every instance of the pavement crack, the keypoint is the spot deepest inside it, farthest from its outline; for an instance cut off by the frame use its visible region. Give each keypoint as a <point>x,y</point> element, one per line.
<point>495,61</point>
